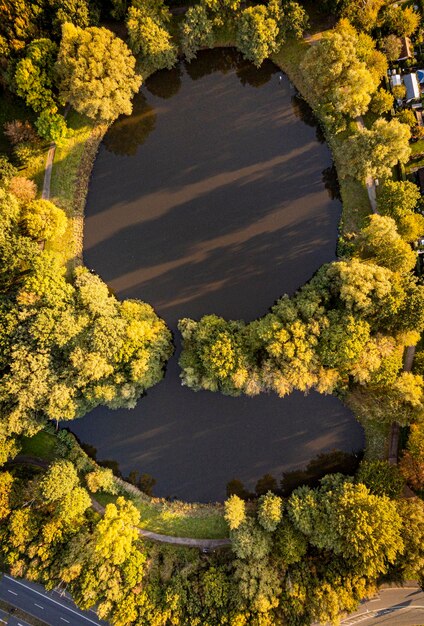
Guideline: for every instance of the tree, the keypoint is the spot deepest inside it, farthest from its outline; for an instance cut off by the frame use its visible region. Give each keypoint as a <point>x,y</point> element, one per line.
<point>34,75</point>
<point>44,220</point>
<point>59,480</point>
<point>20,22</point>
<point>96,72</point>
<point>392,46</point>
<point>394,197</point>
<point>76,12</point>
<point>7,171</point>
<point>380,243</point>
<point>270,511</point>
<point>101,479</point>
<point>406,116</point>
<point>403,401</point>
<point>401,21</point>
<point>381,102</point>
<point>363,15</point>
<point>412,462</point>
<point>6,483</point>
<point>410,564</point>
<point>151,40</point>
<point>337,79</point>
<point>196,31</point>
<point>364,529</point>
<point>343,341</point>
<point>51,126</point>
<point>235,512</point>
<point>381,478</point>
<point>117,531</point>
<point>256,34</point>
<point>373,153</point>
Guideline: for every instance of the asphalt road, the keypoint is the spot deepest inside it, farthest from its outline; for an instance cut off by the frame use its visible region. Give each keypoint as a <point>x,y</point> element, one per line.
<point>402,606</point>
<point>48,606</point>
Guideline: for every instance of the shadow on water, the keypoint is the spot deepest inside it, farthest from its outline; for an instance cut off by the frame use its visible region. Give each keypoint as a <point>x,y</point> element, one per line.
<point>332,462</point>
<point>128,133</point>
<point>164,83</point>
<point>303,111</point>
<point>226,205</point>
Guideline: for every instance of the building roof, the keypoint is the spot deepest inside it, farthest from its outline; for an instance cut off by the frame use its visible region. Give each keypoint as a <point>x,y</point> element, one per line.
<point>406,50</point>
<point>413,91</point>
<point>420,76</point>
<point>395,80</point>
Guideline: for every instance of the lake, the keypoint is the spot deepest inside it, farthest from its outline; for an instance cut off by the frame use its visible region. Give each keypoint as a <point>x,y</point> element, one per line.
<point>217,195</point>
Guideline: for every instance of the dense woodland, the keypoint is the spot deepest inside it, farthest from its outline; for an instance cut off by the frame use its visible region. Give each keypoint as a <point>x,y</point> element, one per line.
<point>68,345</point>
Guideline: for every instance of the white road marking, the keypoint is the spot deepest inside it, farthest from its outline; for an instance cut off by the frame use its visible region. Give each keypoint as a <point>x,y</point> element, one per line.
<point>46,597</point>
<point>65,620</point>
<point>10,591</point>
<point>39,606</point>
<point>2,621</point>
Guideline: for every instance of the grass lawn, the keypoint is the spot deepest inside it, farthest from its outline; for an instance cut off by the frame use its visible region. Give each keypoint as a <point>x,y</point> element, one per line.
<point>177,519</point>
<point>42,445</point>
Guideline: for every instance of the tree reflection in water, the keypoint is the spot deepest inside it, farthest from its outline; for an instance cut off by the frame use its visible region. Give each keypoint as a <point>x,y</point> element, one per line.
<point>129,132</point>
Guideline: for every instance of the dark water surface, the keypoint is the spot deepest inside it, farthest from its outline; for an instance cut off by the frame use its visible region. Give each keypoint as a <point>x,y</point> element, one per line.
<point>215,196</point>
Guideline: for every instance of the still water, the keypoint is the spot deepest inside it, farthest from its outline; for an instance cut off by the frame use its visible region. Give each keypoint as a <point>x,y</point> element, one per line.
<point>217,195</point>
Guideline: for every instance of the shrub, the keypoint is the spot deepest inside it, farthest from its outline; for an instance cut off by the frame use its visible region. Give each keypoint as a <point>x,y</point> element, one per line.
<point>26,151</point>
<point>23,188</point>
<point>18,132</point>
<point>381,478</point>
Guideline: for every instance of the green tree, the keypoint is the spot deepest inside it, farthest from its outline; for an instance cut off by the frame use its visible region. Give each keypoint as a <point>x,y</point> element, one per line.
<point>44,220</point>
<point>380,243</point>
<point>34,75</point>
<point>412,462</point>
<point>410,564</point>
<point>270,511</point>
<point>362,14</point>
<point>196,31</point>
<point>76,12</point>
<point>151,40</point>
<point>257,34</point>
<point>364,529</point>
<point>6,483</point>
<point>402,401</point>
<point>373,153</point>
<point>337,79</point>
<point>393,197</point>
<point>96,72</point>
<point>402,21</point>
<point>117,531</point>
<point>59,480</point>
<point>235,512</point>
<point>51,126</point>
<point>101,479</point>
<point>20,22</point>
<point>381,478</point>
<point>381,102</point>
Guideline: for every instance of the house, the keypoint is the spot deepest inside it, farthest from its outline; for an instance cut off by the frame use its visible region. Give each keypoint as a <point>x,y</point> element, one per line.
<point>413,91</point>
<point>406,50</point>
<point>395,80</point>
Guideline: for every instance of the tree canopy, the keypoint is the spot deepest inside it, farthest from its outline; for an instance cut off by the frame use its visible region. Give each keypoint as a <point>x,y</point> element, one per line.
<point>96,72</point>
